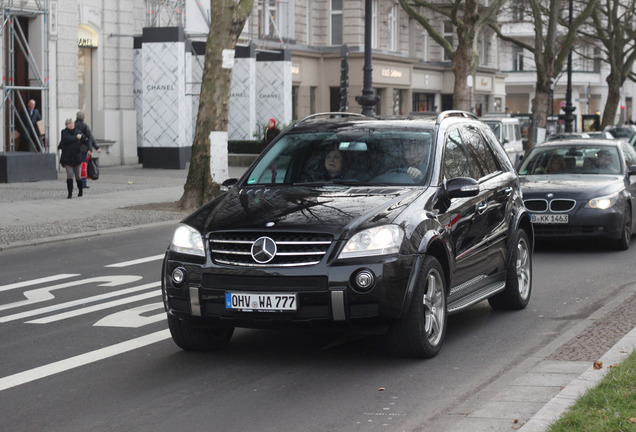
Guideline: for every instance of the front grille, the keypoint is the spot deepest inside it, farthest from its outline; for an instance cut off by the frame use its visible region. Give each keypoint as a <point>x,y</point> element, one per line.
<point>537,205</point>
<point>562,205</point>
<point>556,205</point>
<point>293,249</point>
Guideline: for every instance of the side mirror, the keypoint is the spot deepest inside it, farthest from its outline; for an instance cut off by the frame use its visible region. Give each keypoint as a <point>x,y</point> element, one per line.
<point>462,187</point>
<point>227,184</point>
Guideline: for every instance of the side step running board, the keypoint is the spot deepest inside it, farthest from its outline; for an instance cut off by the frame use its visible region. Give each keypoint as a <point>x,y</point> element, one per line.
<point>475,297</point>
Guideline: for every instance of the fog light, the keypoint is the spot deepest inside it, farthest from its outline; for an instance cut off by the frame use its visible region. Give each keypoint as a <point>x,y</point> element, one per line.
<point>178,275</point>
<point>364,279</point>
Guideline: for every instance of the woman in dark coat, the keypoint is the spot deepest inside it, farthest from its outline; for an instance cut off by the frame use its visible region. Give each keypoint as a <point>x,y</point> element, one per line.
<point>70,143</point>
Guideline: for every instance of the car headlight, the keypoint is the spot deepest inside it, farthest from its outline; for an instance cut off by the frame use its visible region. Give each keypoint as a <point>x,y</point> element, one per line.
<point>602,203</point>
<point>382,240</point>
<point>187,240</point>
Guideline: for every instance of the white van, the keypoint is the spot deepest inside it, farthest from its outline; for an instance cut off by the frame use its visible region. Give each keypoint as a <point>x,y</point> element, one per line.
<point>508,131</point>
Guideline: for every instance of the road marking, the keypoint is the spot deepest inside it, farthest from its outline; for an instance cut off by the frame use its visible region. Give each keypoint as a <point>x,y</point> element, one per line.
<point>132,318</point>
<point>95,308</point>
<point>35,281</point>
<point>43,294</point>
<point>82,301</point>
<point>137,261</point>
<point>81,360</point>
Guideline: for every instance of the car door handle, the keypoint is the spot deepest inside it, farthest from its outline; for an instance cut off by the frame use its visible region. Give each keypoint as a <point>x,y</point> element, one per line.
<point>482,206</point>
<point>508,190</point>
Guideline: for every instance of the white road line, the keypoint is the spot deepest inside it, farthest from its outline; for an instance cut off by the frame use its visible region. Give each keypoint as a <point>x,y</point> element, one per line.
<point>137,261</point>
<point>35,282</point>
<point>43,294</point>
<point>133,318</point>
<point>94,308</point>
<point>81,360</point>
<point>82,301</point>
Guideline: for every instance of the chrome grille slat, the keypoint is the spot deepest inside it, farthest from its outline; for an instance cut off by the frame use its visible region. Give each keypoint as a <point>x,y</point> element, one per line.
<point>293,249</point>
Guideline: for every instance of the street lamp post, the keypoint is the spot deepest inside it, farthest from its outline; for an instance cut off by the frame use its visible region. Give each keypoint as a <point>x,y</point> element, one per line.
<point>569,109</point>
<point>368,100</point>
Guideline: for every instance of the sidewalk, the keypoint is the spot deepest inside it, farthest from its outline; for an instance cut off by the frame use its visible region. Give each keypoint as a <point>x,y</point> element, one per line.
<point>546,383</point>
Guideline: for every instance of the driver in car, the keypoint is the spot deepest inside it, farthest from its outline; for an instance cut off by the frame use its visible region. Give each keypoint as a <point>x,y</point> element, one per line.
<point>416,158</point>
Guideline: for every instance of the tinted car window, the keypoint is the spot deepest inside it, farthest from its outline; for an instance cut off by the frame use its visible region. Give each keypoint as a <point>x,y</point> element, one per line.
<point>567,159</point>
<point>480,155</point>
<point>630,154</point>
<point>455,159</point>
<point>373,156</point>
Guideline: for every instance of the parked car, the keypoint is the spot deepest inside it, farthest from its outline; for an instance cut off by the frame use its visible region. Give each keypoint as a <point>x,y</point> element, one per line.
<point>600,134</point>
<point>567,136</point>
<point>508,132</point>
<point>379,245</point>
<point>623,133</point>
<point>581,189</point>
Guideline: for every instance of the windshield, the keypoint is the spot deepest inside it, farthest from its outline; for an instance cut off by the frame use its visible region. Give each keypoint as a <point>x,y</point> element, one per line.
<point>572,159</point>
<point>399,157</point>
<point>496,128</point>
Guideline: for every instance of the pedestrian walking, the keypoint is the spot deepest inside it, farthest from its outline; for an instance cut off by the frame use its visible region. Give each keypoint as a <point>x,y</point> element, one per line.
<point>70,144</point>
<point>271,132</point>
<point>30,129</point>
<point>86,149</point>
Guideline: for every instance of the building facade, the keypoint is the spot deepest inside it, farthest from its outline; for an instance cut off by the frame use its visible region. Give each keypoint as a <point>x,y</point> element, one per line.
<point>71,55</point>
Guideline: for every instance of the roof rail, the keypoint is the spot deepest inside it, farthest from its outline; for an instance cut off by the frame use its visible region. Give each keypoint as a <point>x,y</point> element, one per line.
<point>455,113</point>
<point>330,114</point>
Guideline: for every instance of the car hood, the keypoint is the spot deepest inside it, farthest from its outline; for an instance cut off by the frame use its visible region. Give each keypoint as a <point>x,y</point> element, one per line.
<point>325,209</point>
<point>573,186</point>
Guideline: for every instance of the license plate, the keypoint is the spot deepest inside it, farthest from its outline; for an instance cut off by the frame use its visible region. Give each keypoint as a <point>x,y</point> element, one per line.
<point>260,302</point>
<point>550,218</point>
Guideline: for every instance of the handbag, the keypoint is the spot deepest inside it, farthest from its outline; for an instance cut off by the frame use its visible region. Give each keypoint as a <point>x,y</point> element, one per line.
<point>84,171</point>
<point>93,169</point>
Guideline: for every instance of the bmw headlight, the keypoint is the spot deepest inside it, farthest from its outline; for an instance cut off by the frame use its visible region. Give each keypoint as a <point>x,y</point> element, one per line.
<point>382,240</point>
<point>187,240</point>
<point>602,203</point>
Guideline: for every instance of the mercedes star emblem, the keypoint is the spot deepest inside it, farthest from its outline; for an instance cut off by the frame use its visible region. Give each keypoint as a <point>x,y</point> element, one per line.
<point>263,250</point>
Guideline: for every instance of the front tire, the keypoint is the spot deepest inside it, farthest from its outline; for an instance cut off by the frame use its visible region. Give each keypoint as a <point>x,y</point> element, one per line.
<point>516,295</point>
<point>421,332</point>
<point>626,236</point>
<point>191,338</point>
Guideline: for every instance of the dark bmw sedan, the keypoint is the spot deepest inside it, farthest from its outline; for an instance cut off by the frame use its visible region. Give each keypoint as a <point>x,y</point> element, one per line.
<point>385,225</point>
<point>581,189</point>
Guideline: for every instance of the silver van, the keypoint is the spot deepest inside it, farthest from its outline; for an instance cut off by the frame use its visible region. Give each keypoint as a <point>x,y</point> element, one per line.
<point>508,131</point>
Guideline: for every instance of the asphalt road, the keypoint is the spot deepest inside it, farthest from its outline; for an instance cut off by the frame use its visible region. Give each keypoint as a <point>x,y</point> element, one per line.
<point>88,349</point>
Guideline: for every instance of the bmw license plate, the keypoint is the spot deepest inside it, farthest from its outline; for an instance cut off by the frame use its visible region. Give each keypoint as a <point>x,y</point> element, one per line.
<point>260,302</point>
<point>550,218</point>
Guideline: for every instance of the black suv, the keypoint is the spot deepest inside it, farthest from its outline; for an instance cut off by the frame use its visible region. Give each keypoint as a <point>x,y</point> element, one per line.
<point>388,225</point>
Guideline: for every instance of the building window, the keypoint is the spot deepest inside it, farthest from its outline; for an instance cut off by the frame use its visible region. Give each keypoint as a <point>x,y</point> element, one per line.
<point>423,102</point>
<point>295,90</point>
<point>517,11</point>
<point>597,60</point>
<point>424,46</point>
<point>393,28</point>
<point>274,23</point>
<point>448,35</point>
<point>309,16</point>
<point>336,22</point>
<point>312,100</point>
<point>517,59</point>
<point>398,101</point>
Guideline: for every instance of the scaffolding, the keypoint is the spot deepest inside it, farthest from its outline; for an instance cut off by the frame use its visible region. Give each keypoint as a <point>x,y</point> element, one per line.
<point>23,73</point>
<point>165,13</point>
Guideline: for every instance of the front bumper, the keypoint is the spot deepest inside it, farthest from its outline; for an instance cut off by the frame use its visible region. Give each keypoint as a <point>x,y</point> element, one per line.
<point>327,295</point>
<point>585,223</point>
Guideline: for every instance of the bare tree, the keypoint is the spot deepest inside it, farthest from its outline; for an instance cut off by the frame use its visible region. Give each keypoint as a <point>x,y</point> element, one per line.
<point>469,19</point>
<point>229,18</point>
<point>613,27</point>
<point>550,48</point>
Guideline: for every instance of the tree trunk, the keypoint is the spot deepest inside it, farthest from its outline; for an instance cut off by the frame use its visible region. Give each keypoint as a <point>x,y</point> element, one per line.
<point>229,17</point>
<point>462,69</point>
<point>540,109</point>
<point>613,99</point>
